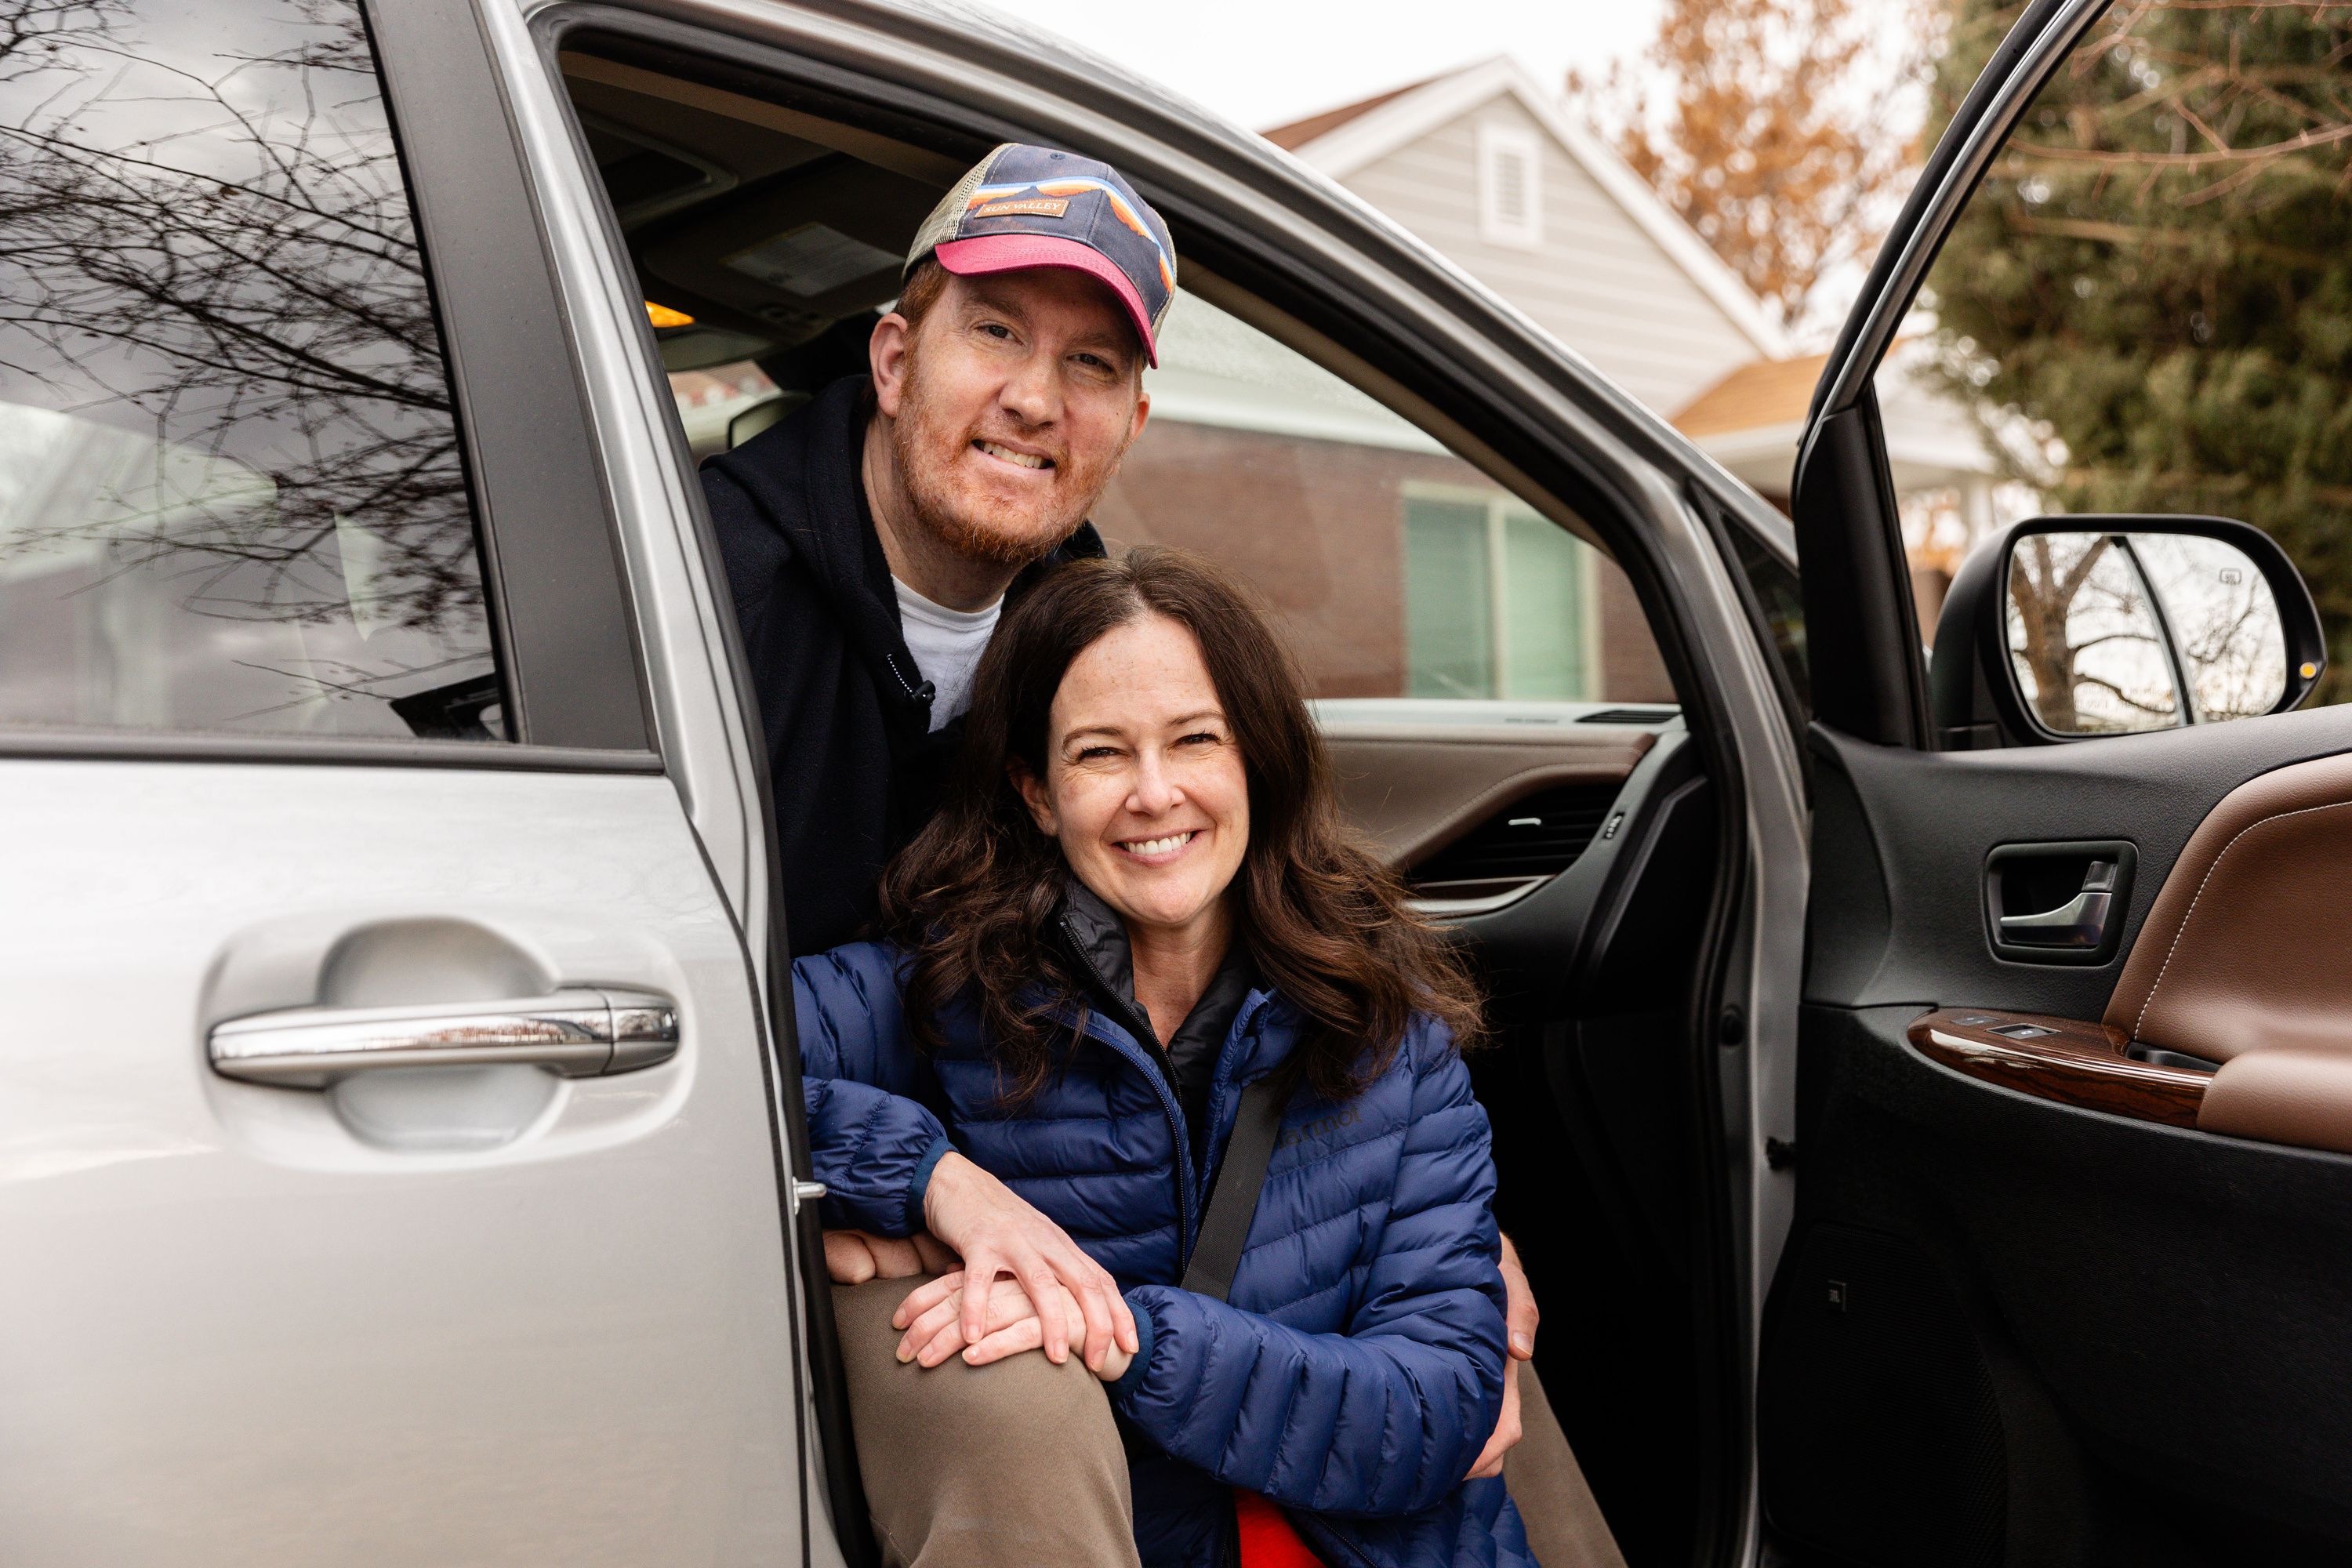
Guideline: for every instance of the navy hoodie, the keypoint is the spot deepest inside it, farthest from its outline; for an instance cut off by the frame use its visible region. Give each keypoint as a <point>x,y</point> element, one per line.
<point>853,762</point>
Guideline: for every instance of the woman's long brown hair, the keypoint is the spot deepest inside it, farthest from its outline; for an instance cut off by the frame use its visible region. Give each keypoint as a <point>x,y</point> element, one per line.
<point>973,899</point>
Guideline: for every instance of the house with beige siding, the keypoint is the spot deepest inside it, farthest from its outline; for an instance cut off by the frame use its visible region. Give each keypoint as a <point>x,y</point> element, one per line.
<point>1493,173</point>
<point>1496,173</point>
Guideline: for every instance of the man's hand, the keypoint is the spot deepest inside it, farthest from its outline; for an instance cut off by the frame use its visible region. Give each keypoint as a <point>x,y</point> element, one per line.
<point>1519,1317</point>
<point>1011,1320</point>
<point>998,1233</point>
<point>854,1257</point>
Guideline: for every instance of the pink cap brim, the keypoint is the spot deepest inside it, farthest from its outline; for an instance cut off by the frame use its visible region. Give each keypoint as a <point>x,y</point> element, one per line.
<point>988,253</point>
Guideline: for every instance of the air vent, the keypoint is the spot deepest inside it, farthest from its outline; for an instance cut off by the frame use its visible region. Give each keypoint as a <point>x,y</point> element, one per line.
<point>1539,837</point>
<point>1630,716</point>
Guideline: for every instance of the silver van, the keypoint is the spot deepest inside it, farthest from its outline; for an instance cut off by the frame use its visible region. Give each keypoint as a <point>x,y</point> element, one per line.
<point>1913,1096</point>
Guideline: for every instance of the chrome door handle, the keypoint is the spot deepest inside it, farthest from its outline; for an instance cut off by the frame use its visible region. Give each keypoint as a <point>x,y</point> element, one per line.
<point>2081,921</point>
<point>582,1032</point>
<point>2078,924</point>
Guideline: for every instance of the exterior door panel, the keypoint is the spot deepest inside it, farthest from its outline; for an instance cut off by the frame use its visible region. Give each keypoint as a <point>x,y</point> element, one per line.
<point>459,1315</point>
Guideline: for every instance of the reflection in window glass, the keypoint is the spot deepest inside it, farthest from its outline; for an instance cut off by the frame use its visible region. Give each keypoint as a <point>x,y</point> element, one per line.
<point>1779,598</point>
<point>2144,307</point>
<point>1397,569</point>
<point>2084,637</point>
<point>726,405</point>
<point>231,490</point>
<point>2223,618</point>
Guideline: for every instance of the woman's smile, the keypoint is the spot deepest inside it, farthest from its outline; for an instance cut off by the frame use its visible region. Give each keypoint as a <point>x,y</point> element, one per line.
<point>1159,851</point>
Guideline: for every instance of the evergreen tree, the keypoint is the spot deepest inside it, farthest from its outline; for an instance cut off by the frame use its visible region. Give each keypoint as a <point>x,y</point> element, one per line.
<point>2157,272</point>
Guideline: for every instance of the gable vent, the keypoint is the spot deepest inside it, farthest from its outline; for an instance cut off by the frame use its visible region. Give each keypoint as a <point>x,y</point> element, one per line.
<point>1539,837</point>
<point>1510,185</point>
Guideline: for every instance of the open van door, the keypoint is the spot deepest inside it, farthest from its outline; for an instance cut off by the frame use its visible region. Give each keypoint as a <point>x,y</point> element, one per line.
<point>2067,1275</point>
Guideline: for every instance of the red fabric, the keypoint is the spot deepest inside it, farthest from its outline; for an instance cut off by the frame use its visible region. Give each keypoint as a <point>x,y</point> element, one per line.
<point>1267,1540</point>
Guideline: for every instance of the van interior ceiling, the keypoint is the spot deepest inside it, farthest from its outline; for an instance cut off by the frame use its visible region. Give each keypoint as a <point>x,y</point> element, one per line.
<point>766,241</point>
<point>760,246</point>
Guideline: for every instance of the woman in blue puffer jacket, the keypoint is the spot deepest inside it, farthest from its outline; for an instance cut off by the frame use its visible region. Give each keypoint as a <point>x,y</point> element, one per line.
<point>1137,900</point>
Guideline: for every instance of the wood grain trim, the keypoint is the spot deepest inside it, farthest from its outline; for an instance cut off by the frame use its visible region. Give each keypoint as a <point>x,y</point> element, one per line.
<point>2076,1063</point>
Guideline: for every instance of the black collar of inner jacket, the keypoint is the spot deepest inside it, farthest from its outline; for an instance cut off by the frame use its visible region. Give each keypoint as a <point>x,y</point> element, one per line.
<point>1097,940</point>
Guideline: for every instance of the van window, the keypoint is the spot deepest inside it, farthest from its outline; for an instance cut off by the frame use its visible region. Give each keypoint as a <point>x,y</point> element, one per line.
<point>232,496</point>
<point>1399,570</point>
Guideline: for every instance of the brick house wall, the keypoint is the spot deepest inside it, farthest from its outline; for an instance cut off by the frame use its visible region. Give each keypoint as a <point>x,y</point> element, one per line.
<point>1317,528</point>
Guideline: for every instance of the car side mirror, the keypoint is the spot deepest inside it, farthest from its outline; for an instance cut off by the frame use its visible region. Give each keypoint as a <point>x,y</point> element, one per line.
<point>2064,628</point>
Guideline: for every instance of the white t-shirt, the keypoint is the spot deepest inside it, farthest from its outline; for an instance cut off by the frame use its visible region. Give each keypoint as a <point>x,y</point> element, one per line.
<point>947,644</point>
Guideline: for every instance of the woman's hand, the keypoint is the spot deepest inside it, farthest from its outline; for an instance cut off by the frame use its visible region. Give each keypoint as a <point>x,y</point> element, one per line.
<point>1519,1317</point>
<point>997,1232</point>
<point>854,1257</point>
<point>935,1317</point>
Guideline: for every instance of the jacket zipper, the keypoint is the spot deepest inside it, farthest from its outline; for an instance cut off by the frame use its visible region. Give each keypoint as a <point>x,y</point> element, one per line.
<point>1163,1085</point>
<point>1176,1133</point>
<point>1188,1192</point>
<point>1157,1067</point>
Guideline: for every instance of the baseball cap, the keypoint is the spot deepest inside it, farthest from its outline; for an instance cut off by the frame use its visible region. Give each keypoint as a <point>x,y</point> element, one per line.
<point>1037,207</point>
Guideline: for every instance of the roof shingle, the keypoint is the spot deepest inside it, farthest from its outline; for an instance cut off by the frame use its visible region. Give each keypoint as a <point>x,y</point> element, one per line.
<point>1299,133</point>
<point>1759,393</point>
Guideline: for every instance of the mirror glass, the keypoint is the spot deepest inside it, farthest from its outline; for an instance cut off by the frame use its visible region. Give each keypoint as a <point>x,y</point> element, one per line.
<point>2115,631</point>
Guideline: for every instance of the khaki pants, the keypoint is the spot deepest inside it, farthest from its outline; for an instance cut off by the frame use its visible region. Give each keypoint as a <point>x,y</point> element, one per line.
<point>1013,1465</point>
<point>1018,1465</point>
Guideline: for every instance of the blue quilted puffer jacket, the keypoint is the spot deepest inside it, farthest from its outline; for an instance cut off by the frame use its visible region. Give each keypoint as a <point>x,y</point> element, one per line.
<point>1357,1369</point>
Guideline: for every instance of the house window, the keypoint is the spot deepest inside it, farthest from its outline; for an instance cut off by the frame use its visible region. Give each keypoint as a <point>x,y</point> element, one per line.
<point>1510,187</point>
<point>1498,600</point>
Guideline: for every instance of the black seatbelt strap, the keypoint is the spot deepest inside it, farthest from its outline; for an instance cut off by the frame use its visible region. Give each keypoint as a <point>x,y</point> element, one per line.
<point>1225,1227</point>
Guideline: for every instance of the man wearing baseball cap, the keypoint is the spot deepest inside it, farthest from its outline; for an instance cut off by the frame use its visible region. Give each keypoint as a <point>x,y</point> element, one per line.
<point>871,541</point>
<point>871,537</point>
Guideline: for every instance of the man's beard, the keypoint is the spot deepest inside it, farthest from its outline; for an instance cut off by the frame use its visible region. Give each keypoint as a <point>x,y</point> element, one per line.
<point>925,452</point>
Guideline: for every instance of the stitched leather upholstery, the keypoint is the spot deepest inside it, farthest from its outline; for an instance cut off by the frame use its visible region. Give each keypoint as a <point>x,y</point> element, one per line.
<point>2248,943</point>
<point>2246,958</point>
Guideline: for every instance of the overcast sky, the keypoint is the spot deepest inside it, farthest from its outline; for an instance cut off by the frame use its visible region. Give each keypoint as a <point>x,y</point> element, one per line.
<point>1262,62</point>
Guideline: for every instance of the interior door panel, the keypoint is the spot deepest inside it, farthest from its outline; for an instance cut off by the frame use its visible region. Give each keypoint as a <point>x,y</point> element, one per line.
<point>1572,859</point>
<point>1901,838</point>
<point>1415,788</point>
<point>2057,1292</point>
<point>1561,814</point>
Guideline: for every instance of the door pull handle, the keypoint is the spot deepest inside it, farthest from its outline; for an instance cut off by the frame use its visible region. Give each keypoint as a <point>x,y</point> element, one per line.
<point>579,1032</point>
<point>2081,922</point>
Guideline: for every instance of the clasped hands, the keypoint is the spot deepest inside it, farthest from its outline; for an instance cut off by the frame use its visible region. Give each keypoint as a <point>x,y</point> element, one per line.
<point>980,1229</point>
<point>980,1232</point>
